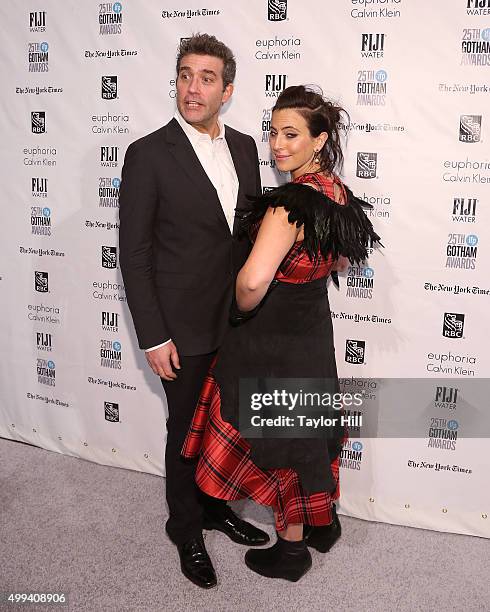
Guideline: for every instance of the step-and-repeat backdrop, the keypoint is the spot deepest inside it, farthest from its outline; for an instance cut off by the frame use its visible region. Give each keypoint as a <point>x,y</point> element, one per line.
<point>81,80</point>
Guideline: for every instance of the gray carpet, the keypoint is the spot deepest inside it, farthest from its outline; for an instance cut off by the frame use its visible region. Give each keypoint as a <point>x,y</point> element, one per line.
<point>97,533</point>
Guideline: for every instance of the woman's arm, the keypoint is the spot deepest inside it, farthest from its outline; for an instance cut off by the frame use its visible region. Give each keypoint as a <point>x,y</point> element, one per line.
<point>275,238</point>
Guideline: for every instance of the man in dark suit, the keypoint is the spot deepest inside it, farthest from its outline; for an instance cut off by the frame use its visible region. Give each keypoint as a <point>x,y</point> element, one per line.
<point>179,252</point>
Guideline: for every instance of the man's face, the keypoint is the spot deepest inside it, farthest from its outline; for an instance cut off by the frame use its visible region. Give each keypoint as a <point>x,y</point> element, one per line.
<point>200,92</point>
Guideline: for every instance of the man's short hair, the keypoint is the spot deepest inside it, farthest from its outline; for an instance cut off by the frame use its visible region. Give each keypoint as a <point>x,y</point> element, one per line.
<point>205,44</point>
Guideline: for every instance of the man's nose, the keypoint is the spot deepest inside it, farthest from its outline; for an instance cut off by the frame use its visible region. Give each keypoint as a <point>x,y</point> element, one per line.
<point>194,85</point>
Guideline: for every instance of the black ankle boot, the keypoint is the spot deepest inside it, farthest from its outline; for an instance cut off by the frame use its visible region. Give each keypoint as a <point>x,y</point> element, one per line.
<point>324,537</point>
<point>287,560</point>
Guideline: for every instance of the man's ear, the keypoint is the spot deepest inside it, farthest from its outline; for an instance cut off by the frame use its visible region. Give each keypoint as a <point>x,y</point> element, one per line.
<point>227,93</point>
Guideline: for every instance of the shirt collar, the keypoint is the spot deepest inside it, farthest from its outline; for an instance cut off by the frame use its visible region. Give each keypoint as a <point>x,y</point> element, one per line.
<point>194,135</point>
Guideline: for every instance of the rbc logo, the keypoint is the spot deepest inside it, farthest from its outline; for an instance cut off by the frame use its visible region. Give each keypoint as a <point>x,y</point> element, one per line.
<point>470,128</point>
<point>277,10</point>
<point>453,325</point>
<point>354,351</point>
<point>366,165</point>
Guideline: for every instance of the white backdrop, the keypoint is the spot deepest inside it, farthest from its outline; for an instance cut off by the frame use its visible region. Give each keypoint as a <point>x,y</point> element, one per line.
<point>81,80</point>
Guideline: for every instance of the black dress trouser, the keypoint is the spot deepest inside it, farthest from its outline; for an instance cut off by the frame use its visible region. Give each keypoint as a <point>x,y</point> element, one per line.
<point>186,503</point>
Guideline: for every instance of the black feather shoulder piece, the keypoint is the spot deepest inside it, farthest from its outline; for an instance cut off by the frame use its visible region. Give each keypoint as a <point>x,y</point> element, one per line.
<point>329,227</point>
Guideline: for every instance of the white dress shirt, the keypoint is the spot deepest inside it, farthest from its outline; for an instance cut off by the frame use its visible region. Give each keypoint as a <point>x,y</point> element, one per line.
<point>215,157</point>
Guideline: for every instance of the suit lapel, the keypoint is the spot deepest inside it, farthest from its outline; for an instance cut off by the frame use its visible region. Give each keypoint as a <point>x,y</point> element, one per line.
<point>240,169</point>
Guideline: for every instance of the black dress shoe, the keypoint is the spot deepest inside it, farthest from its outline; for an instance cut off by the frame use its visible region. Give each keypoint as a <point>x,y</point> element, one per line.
<point>235,528</point>
<point>196,564</point>
<point>287,560</point>
<point>324,537</point>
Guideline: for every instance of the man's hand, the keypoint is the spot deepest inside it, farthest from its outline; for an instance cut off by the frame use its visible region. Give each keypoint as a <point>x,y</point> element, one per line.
<point>162,359</point>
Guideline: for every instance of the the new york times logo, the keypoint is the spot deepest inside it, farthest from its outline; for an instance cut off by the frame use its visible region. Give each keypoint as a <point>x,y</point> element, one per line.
<point>453,325</point>
<point>351,455</point>
<point>37,21</point>
<point>41,282</point>
<point>39,187</point>
<point>461,251</point>
<point>478,7</point>
<point>38,122</point>
<point>371,87</point>
<point>354,351</point>
<point>109,192</point>
<point>464,210</point>
<point>274,84</point>
<point>372,45</point>
<point>111,412</point>
<point>44,342</point>
<point>366,165</point>
<point>109,156</point>
<point>475,47</point>
<point>110,321</point>
<point>109,257</point>
<point>46,372</point>
<point>40,221</point>
<point>443,433</point>
<point>110,18</point>
<point>109,87</point>
<point>470,128</point>
<point>446,397</point>
<point>38,57</point>
<point>360,282</point>
<point>110,354</point>
<point>277,10</point>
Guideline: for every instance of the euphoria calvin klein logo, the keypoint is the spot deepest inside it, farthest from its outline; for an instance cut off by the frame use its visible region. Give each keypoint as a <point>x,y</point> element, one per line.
<point>41,282</point>
<point>372,45</point>
<point>446,397</point>
<point>110,18</point>
<point>277,10</point>
<point>371,87</point>
<point>44,341</point>
<point>39,187</point>
<point>41,221</point>
<point>453,325</point>
<point>109,87</point>
<point>46,372</point>
<point>274,84</point>
<point>109,257</point>
<point>464,210</point>
<point>111,412</point>
<point>109,156</point>
<point>37,21</point>
<point>478,7</point>
<point>38,57</point>
<point>461,251</point>
<point>360,282</point>
<point>470,128</point>
<point>354,351</point>
<point>110,321</point>
<point>109,192</point>
<point>110,354</point>
<point>38,122</point>
<point>366,165</point>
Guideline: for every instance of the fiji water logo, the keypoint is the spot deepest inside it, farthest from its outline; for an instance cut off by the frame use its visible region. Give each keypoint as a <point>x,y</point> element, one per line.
<point>37,21</point>
<point>110,18</point>
<point>372,45</point>
<point>446,397</point>
<point>464,210</point>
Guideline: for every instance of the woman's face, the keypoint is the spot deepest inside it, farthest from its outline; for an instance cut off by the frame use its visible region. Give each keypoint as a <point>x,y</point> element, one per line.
<point>292,144</point>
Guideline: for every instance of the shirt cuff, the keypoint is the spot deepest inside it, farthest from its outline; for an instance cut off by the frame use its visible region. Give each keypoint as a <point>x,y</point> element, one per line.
<point>158,345</point>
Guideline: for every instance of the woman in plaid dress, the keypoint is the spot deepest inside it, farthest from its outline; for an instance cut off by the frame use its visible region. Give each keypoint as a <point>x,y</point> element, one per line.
<point>282,328</point>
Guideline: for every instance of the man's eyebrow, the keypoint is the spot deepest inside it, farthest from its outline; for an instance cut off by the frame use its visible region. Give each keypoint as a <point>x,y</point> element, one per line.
<point>205,70</point>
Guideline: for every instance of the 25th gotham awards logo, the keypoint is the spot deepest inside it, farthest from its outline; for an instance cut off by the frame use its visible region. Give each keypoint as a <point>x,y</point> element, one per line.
<point>38,56</point>
<point>355,351</point>
<point>44,342</point>
<point>367,164</point>
<point>109,192</point>
<point>371,87</point>
<point>110,354</point>
<point>351,455</point>
<point>461,251</point>
<point>38,122</point>
<point>475,47</point>
<point>277,10</point>
<point>109,257</point>
<point>274,84</point>
<point>111,412</point>
<point>41,282</point>
<point>470,128</point>
<point>372,45</point>
<point>464,210</point>
<point>37,21</point>
<point>477,7</point>
<point>110,18</point>
<point>46,372</point>
<point>109,156</point>
<point>453,325</point>
<point>360,282</point>
<point>110,321</point>
<point>443,433</point>
<point>41,221</point>
<point>109,87</point>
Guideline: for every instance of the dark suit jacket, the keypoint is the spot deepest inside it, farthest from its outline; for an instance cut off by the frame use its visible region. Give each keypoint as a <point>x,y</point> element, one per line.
<point>177,254</point>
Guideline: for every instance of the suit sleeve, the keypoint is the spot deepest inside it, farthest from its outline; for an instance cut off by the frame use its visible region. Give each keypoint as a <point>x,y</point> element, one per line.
<point>138,201</point>
<point>258,183</point>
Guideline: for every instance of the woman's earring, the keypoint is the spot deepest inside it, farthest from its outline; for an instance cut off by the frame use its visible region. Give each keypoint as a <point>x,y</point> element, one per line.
<point>316,157</point>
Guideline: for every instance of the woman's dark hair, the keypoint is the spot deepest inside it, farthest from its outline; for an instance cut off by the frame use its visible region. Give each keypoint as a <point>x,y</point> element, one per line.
<point>321,115</point>
<point>205,44</point>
